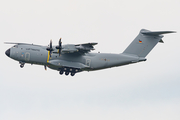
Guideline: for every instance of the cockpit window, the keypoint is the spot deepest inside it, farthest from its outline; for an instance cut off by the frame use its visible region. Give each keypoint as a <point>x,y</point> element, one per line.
<point>15,46</point>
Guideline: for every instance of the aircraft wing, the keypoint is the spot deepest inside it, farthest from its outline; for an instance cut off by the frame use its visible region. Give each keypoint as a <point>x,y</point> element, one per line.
<point>84,48</point>
<point>17,43</point>
<point>87,44</point>
<point>78,48</point>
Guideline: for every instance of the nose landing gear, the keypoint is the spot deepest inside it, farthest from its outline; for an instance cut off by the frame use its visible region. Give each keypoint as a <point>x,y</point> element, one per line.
<point>21,64</point>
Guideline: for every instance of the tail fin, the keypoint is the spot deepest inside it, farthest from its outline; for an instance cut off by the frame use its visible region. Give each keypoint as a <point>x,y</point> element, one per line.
<point>145,42</point>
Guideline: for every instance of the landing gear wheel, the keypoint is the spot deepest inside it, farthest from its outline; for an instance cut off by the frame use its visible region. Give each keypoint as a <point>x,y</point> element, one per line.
<point>66,73</point>
<point>21,66</point>
<point>61,72</point>
<point>72,74</point>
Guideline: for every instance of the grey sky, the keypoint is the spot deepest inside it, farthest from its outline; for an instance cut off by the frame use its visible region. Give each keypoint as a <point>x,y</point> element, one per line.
<point>147,90</point>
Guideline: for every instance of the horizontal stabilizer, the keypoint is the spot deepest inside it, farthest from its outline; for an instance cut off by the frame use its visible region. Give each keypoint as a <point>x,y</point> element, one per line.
<point>155,33</point>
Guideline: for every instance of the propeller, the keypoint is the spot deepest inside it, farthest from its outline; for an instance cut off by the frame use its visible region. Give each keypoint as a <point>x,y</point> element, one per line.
<point>50,49</point>
<point>59,47</point>
<point>45,67</point>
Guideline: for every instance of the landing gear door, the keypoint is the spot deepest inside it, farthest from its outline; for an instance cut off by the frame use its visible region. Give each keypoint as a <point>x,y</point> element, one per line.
<point>88,62</point>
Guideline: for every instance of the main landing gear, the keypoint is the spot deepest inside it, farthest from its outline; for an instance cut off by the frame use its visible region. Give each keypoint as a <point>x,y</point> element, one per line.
<point>61,72</point>
<point>68,71</point>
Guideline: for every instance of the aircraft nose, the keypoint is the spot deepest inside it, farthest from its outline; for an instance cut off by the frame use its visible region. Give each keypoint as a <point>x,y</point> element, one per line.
<point>8,52</point>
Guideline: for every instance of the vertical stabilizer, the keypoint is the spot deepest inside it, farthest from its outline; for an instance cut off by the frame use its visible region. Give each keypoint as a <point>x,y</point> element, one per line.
<point>145,42</point>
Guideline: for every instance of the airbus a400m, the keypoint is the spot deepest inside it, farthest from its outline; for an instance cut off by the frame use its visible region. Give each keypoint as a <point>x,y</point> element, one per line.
<point>74,58</point>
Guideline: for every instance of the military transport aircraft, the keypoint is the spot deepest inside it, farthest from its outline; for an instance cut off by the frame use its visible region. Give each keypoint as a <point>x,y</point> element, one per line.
<point>74,58</point>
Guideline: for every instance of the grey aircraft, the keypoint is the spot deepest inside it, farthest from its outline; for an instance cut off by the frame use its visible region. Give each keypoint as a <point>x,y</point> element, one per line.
<point>74,58</point>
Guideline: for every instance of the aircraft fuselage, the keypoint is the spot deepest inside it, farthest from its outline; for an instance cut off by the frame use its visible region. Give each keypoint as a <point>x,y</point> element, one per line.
<point>74,58</point>
<point>35,54</point>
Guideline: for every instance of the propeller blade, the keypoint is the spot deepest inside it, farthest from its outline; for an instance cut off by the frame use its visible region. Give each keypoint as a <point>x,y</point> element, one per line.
<point>59,52</point>
<point>59,47</point>
<point>51,44</point>
<point>50,49</point>
<point>45,67</point>
<point>50,54</point>
<point>60,42</point>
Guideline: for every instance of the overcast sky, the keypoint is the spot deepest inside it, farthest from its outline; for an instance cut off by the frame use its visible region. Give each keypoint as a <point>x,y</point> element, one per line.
<point>144,91</point>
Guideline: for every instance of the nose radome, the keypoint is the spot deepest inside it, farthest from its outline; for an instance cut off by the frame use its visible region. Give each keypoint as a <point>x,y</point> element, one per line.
<point>8,52</point>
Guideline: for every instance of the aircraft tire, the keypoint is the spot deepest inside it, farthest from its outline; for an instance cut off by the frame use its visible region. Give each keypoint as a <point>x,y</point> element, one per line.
<point>61,72</point>
<point>72,74</point>
<point>66,73</point>
<point>21,66</point>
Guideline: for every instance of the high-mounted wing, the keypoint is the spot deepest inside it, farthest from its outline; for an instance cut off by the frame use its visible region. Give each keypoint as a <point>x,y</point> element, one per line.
<point>78,48</point>
<point>17,43</point>
<point>69,48</point>
<point>84,48</point>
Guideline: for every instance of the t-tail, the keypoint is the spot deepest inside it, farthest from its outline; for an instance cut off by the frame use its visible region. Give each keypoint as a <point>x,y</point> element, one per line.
<point>145,42</point>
